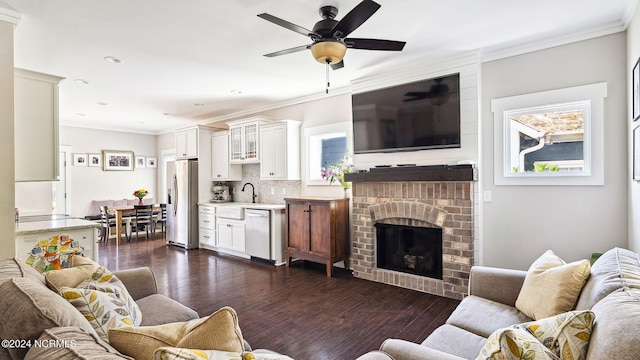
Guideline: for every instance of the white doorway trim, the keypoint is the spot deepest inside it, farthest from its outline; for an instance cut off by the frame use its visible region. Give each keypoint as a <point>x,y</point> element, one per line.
<point>62,186</point>
<point>168,155</point>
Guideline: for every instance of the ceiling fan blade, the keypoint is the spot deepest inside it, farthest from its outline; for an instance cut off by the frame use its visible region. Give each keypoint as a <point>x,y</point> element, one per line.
<point>288,51</point>
<point>356,17</point>
<point>337,66</point>
<point>287,25</point>
<point>374,44</point>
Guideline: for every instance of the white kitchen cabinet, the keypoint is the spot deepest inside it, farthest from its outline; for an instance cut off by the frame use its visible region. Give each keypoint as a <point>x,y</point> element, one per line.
<point>195,143</point>
<point>221,169</point>
<point>244,140</point>
<point>231,234</point>
<point>280,150</point>
<point>36,128</point>
<point>207,226</point>
<point>187,144</point>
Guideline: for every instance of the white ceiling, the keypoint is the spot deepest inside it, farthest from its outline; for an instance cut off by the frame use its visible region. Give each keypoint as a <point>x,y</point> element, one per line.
<point>180,53</point>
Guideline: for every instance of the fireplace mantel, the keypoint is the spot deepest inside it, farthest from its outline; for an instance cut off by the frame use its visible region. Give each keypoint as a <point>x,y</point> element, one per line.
<point>415,173</point>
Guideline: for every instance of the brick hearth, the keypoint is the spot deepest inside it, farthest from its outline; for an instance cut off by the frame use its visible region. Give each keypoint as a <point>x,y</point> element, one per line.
<point>444,204</point>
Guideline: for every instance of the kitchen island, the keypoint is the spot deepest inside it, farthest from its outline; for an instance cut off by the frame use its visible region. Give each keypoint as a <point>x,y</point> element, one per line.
<point>56,236</point>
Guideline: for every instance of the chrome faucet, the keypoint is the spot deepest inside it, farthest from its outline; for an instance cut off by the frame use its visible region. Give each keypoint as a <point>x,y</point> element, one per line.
<point>253,191</point>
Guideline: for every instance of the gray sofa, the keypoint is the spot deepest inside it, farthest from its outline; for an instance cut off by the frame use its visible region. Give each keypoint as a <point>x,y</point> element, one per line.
<point>31,311</point>
<point>612,292</point>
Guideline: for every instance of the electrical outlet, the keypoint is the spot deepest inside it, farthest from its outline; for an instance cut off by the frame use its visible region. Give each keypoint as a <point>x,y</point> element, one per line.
<point>284,191</point>
<point>273,191</point>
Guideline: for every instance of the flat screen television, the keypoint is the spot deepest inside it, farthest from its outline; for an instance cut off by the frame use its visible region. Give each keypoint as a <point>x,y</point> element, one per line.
<point>415,116</point>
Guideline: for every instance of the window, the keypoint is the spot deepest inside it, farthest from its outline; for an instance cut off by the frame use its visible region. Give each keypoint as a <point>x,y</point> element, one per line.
<point>325,143</point>
<point>550,138</point>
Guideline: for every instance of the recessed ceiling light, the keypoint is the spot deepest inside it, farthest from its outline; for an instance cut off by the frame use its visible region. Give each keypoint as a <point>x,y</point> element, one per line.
<point>102,103</point>
<point>113,59</point>
<point>81,81</point>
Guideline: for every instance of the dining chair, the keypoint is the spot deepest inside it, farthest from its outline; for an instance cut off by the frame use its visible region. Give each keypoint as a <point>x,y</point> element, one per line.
<point>161,218</point>
<point>107,221</point>
<point>143,218</point>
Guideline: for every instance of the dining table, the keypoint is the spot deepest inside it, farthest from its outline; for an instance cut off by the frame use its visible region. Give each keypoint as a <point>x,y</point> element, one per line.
<point>125,212</point>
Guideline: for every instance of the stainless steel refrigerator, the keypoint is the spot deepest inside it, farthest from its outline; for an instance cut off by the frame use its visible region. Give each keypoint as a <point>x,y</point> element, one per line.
<point>182,204</point>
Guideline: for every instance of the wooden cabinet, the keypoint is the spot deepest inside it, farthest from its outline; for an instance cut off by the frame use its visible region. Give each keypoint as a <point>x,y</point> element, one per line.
<point>231,234</point>
<point>221,169</point>
<point>280,150</point>
<point>317,229</point>
<point>36,127</point>
<point>244,141</point>
<point>207,226</point>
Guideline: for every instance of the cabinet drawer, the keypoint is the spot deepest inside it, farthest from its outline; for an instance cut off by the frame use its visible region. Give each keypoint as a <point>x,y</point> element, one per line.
<point>207,237</point>
<point>205,209</point>
<point>207,221</point>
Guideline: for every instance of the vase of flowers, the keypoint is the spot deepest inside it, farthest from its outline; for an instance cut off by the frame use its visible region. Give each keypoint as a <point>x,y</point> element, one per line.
<point>140,193</point>
<point>336,172</point>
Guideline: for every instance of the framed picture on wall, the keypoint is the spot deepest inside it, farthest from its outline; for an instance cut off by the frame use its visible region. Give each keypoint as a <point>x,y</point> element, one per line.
<point>95,160</point>
<point>117,160</point>
<point>141,162</point>
<point>152,162</point>
<point>636,91</point>
<point>80,160</point>
<point>636,153</point>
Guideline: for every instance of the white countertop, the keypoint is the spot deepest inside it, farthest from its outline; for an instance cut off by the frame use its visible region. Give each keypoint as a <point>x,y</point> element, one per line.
<point>24,228</point>
<point>248,205</point>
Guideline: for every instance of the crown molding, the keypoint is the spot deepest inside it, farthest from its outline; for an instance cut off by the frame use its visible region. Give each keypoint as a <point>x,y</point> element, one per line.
<point>9,14</point>
<point>501,52</point>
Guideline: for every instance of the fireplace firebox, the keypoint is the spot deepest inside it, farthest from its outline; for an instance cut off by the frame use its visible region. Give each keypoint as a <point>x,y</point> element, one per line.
<point>409,249</point>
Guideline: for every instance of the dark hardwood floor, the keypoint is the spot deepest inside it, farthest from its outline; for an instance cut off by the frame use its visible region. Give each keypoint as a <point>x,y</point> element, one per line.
<point>296,311</point>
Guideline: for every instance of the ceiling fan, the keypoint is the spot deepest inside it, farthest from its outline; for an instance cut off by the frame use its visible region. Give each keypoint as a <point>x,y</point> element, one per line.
<point>329,36</point>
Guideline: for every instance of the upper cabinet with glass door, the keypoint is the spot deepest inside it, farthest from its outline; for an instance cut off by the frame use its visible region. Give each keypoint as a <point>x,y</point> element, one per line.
<point>243,140</point>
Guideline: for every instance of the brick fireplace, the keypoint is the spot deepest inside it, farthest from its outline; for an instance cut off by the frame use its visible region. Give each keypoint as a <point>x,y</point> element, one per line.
<point>445,202</point>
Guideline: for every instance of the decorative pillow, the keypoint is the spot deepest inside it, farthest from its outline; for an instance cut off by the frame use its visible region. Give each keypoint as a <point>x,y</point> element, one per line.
<point>551,286</point>
<point>103,310</point>
<point>514,343</point>
<point>81,269</point>
<point>71,342</point>
<point>172,353</point>
<point>218,331</point>
<point>566,335</point>
<point>29,308</point>
<point>104,281</point>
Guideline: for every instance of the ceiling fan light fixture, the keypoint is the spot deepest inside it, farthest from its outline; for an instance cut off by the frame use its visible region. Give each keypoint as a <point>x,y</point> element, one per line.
<point>328,51</point>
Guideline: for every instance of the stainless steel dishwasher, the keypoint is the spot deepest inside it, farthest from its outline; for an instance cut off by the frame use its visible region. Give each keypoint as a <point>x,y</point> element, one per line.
<point>257,236</point>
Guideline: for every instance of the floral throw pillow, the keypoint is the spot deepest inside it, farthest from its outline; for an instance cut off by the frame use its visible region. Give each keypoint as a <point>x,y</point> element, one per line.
<point>514,343</point>
<point>567,335</point>
<point>103,280</point>
<point>103,310</point>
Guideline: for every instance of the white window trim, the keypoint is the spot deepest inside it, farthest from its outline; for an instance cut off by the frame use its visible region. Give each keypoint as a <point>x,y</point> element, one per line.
<point>594,137</point>
<point>321,131</point>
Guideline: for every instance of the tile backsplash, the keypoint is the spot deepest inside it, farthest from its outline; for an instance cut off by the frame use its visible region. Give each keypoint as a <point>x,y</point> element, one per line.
<point>251,174</point>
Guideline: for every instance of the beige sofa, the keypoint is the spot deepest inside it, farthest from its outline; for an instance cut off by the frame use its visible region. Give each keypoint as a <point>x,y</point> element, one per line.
<point>31,311</point>
<point>612,293</point>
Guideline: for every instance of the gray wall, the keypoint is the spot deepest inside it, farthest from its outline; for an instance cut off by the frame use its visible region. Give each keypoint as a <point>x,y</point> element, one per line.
<point>633,53</point>
<point>521,222</point>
